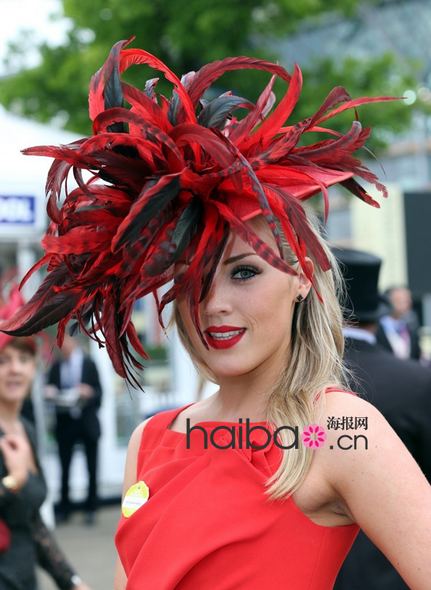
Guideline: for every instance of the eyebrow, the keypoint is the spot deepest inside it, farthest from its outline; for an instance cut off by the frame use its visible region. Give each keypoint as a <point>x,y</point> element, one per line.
<point>229,260</point>
<point>239,257</point>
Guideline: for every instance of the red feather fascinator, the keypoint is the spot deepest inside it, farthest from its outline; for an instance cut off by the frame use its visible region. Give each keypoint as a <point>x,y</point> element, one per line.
<point>169,179</point>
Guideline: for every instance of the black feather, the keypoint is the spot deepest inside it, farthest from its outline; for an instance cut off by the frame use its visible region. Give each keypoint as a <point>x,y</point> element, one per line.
<point>216,112</point>
<point>146,222</point>
<point>113,94</point>
<point>187,227</point>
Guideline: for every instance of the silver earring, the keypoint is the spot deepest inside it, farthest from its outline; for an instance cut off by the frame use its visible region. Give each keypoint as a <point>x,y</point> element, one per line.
<point>299,299</point>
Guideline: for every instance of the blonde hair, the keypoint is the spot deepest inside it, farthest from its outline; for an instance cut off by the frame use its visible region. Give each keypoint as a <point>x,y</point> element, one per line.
<point>315,363</point>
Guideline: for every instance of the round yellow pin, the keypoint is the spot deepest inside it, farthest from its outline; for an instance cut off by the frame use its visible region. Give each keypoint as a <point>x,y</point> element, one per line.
<point>135,497</point>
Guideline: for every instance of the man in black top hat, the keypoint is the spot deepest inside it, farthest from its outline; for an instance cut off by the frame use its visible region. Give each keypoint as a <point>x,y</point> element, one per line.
<point>400,390</point>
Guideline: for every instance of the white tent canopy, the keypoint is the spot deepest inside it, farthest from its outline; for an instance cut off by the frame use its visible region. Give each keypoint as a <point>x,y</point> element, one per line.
<point>22,178</point>
<point>18,171</point>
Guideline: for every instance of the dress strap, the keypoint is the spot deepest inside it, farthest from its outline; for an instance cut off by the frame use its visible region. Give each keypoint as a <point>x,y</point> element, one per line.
<point>334,388</point>
<point>339,388</point>
<point>163,419</point>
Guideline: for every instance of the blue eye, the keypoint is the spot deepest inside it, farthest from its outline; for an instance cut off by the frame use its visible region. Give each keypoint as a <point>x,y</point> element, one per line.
<point>244,270</point>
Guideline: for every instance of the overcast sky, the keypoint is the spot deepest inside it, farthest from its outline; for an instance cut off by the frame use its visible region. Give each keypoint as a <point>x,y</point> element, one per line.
<point>30,15</point>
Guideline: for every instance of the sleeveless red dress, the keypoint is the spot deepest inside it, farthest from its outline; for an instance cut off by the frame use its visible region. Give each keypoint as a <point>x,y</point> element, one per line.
<point>207,524</point>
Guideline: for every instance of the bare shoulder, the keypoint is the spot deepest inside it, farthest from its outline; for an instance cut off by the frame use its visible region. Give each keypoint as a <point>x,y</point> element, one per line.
<point>359,443</point>
<point>132,455</point>
<point>136,436</point>
<point>348,411</point>
<point>380,483</point>
<point>342,400</point>
<point>357,436</point>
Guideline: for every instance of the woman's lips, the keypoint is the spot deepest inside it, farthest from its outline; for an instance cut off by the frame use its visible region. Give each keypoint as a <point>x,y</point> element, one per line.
<point>222,343</point>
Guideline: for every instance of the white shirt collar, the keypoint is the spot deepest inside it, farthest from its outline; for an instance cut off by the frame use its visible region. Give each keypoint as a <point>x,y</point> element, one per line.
<point>359,334</point>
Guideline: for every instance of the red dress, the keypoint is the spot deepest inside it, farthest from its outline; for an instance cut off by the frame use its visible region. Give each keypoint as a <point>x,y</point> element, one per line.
<point>207,524</point>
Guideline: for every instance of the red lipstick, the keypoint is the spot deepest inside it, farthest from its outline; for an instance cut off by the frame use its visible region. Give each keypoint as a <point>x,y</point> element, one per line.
<point>217,336</point>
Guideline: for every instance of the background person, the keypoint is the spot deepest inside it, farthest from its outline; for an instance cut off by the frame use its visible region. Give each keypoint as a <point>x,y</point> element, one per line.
<point>76,422</point>
<point>22,483</point>
<point>397,331</point>
<point>400,389</point>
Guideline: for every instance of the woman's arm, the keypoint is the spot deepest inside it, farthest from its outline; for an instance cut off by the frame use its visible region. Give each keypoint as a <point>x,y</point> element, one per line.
<point>51,558</point>
<point>129,479</point>
<point>383,488</point>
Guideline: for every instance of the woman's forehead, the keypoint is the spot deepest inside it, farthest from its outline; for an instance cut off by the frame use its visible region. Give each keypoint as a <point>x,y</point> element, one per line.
<point>235,244</point>
<point>8,350</point>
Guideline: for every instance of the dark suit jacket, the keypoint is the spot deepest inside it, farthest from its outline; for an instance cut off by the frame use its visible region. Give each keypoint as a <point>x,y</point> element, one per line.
<point>401,391</point>
<point>89,419</point>
<point>415,351</point>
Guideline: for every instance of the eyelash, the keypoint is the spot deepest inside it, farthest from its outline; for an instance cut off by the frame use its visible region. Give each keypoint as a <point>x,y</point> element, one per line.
<point>238,269</point>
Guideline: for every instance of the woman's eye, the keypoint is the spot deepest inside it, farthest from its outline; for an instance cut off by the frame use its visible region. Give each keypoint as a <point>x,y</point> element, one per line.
<point>25,358</point>
<point>243,273</point>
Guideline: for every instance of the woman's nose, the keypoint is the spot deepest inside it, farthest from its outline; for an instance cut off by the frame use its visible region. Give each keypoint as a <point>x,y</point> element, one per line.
<point>217,300</point>
<point>15,365</point>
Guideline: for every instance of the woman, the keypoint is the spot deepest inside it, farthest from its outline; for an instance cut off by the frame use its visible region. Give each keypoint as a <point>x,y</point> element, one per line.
<point>22,484</point>
<point>182,190</point>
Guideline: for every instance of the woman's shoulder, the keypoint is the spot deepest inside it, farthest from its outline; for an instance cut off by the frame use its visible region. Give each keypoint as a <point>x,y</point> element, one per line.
<point>347,410</point>
<point>136,436</point>
<point>340,399</point>
<point>356,431</point>
<point>132,455</point>
<point>155,423</point>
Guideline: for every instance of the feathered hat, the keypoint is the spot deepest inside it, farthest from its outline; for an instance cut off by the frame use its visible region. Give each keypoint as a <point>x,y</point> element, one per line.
<point>169,179</point>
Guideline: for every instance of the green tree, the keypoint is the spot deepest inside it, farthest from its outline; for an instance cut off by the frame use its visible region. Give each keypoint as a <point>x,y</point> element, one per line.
<point>186,34</point>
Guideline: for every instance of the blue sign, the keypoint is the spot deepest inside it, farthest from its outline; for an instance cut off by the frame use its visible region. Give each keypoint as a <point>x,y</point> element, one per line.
<point>17,210</point>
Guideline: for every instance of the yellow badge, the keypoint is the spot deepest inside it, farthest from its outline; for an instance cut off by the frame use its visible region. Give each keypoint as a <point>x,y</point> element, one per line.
<point>135,497</point>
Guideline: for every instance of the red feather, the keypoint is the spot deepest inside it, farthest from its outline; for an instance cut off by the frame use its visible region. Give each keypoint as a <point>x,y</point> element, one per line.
<point>162,178</point>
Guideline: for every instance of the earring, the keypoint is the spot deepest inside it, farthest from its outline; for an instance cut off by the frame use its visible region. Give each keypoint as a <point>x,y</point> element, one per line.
<point>299,299</point>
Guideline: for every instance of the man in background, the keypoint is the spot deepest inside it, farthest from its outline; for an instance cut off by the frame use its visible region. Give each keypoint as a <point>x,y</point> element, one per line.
<point>74,386</point>
<point>398,330</point>
<point>399,389</point>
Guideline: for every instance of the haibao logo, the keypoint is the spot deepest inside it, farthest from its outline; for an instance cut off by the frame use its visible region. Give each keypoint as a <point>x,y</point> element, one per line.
<point>250,437</point>
<point>313,436</point>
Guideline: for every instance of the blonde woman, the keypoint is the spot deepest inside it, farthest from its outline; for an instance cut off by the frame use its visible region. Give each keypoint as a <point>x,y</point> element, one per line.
<point>250,487</point>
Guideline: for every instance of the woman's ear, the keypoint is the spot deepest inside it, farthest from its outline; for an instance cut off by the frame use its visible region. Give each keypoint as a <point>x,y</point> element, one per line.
<point>304,282</point>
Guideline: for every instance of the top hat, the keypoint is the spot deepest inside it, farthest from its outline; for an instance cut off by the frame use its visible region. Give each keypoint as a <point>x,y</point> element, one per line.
<point>361,274</point>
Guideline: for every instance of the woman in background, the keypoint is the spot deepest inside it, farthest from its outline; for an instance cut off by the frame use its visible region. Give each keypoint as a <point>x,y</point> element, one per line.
<point>22,484</point>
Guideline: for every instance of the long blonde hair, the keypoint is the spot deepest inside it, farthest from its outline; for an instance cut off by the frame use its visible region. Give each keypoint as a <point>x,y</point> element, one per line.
<point>315,363</point>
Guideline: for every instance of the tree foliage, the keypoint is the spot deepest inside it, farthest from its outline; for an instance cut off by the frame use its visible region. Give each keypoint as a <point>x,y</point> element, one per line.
<point>186,34</point>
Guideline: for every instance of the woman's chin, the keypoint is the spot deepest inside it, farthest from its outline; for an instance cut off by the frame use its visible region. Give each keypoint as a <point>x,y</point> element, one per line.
<point>13,397</point>
<point>229,370</point>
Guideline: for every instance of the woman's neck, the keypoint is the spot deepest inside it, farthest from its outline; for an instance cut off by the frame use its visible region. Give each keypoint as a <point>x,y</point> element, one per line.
<point>245,397</point>
<point>9,414</point>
